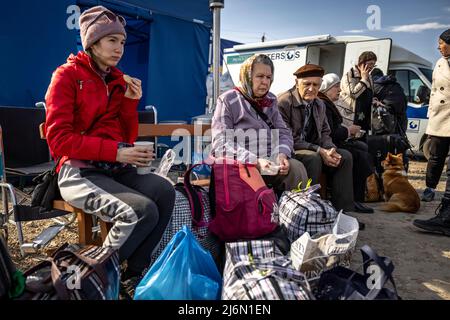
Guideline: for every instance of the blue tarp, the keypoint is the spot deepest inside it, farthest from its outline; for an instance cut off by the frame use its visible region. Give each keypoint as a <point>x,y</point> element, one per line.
<point>167,47</point>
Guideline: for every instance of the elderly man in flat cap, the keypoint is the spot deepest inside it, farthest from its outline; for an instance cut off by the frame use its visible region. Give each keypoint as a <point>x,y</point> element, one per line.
<point>439,131</point>
<point>305,115</point>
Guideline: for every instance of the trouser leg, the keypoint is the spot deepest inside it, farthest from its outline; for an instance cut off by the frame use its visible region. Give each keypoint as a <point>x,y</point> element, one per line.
<point>362,168</point>
<point>312,162</point>
<point>162,193</point>
<point>439,147</point>
<point>342,182</point>
<point>134,216</point>
<point>447,184</point>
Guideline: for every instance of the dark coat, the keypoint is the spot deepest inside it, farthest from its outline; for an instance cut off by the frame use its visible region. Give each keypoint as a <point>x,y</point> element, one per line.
<point>339,133</point>
<point>289,103</point>
<point>391,94</point>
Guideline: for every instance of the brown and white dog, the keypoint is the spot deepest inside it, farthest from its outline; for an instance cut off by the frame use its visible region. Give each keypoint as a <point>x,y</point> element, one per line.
<point>399,194</point>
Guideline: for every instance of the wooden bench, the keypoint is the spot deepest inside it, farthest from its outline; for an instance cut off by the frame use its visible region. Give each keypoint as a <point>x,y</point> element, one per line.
<point>86,222</point>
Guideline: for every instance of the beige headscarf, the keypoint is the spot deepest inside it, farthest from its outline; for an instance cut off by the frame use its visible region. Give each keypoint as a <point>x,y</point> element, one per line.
<point>246,84</point>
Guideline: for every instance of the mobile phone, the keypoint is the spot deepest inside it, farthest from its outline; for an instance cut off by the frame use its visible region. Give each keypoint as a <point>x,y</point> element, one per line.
<point>360,134</point>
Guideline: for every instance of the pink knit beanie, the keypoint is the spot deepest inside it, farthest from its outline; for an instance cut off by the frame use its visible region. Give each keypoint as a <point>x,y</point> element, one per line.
<point>98,22</point>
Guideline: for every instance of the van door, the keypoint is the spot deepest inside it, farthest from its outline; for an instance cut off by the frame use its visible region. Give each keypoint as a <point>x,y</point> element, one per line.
<point>285,60</point>
<point>418,100</point>
<point>381,47</point>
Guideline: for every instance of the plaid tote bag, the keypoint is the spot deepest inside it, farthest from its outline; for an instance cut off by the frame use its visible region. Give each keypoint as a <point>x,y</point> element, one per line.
<point>256,270</point>
<point>305,211</point>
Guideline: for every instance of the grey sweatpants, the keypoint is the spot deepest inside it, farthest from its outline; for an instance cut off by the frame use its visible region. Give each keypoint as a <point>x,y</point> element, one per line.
<point>139,206</point>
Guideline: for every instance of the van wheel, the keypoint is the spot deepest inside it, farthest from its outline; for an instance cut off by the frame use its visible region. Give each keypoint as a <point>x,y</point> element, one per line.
<point>426,148</point>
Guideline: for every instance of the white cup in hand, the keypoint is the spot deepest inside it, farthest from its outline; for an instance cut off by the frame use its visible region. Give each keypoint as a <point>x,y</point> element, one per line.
<point>149,145</point>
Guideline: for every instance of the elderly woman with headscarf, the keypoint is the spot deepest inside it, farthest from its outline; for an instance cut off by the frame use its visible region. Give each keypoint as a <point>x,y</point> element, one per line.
<point>248,127</point>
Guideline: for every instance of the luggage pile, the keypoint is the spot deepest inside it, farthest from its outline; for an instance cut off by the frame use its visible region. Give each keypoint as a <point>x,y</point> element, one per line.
<point>236,241</point>
<point>302,252</point>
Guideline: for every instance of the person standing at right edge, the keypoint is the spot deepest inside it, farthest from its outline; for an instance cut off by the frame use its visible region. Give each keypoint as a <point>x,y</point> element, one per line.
<point>439,131</point>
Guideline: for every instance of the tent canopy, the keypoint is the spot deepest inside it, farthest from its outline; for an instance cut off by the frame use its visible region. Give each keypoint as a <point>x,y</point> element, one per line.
<point>167,47</point>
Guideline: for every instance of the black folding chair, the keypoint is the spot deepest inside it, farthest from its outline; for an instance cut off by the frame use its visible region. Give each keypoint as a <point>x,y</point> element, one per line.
<point>7,192</point>
<point>30,157</point>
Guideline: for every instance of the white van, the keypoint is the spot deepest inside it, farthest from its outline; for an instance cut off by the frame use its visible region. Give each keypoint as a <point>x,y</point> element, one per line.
<point>337,55</point>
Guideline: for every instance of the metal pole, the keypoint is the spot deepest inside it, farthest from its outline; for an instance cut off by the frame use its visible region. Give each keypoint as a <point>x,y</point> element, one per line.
<point>216,6</point>
<point>5,208</point>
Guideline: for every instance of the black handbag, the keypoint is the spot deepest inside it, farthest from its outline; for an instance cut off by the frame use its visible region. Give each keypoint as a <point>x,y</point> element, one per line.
<point>383,121</point>
<point>46,189</point>
<point>71,273</point>
<point>341,283</point>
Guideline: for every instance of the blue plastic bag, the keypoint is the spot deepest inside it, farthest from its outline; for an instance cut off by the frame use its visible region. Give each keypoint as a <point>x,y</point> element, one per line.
<point>183,271</point>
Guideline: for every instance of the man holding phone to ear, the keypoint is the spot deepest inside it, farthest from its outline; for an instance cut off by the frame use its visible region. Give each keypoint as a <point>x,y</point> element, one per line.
<point>305,115</point>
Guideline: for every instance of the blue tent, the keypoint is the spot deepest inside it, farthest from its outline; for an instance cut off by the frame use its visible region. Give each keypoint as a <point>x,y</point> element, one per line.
<point>168,48</point>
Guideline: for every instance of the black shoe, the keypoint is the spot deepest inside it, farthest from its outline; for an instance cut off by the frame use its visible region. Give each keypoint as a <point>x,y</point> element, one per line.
<point>361,225</point>
<point>359,207</point>
<point>428,195</point>
<point>440,223</point>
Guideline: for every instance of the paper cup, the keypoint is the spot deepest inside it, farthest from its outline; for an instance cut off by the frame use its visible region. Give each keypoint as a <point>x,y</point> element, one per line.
<point>150,146</point>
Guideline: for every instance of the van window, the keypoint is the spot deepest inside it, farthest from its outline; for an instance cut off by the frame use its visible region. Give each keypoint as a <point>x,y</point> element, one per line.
<point>428,73</point>
<point>402,79</point>
<point>414,84</point>
<point>410,83</point>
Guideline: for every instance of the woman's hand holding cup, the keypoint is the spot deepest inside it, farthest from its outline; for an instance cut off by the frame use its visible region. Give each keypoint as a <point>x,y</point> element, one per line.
<point>141,155</point>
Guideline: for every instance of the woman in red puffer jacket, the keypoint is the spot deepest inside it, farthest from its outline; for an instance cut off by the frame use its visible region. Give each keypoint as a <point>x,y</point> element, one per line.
<point>91,125</point>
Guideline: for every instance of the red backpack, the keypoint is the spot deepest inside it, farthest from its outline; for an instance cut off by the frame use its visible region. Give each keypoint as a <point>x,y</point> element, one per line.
<point>245,208</point>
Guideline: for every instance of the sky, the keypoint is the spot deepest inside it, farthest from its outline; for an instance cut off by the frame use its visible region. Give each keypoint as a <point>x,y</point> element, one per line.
<point>414,25</point>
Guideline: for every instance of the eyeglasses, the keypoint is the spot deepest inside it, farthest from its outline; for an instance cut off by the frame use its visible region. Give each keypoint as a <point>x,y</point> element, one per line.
<point>106,17</point>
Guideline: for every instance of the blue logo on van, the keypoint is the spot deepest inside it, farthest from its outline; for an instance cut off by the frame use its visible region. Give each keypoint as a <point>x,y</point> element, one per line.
<point>413,125</point>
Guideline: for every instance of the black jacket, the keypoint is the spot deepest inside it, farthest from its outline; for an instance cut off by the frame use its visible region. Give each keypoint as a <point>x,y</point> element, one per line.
<point>339,133</point>
<point>391,94</point>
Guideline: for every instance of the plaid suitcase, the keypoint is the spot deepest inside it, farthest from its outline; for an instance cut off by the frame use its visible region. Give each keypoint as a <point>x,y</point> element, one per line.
<point>256,270</point>
<point>305,211</point>
<point>182,215</point>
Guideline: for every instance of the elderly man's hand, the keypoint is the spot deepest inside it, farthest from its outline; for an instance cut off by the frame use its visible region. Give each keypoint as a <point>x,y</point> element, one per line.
<point>330,157</point>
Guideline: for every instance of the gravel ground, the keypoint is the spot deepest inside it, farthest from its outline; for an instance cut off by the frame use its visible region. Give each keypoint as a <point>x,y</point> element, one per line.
<point>422,260</point>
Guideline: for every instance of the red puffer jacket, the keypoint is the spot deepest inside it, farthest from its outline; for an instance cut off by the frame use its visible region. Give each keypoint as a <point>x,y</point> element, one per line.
<point>86,116</point>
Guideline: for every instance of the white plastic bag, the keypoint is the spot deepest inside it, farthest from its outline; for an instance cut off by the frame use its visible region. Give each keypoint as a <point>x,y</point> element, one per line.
<point>315,255</point>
